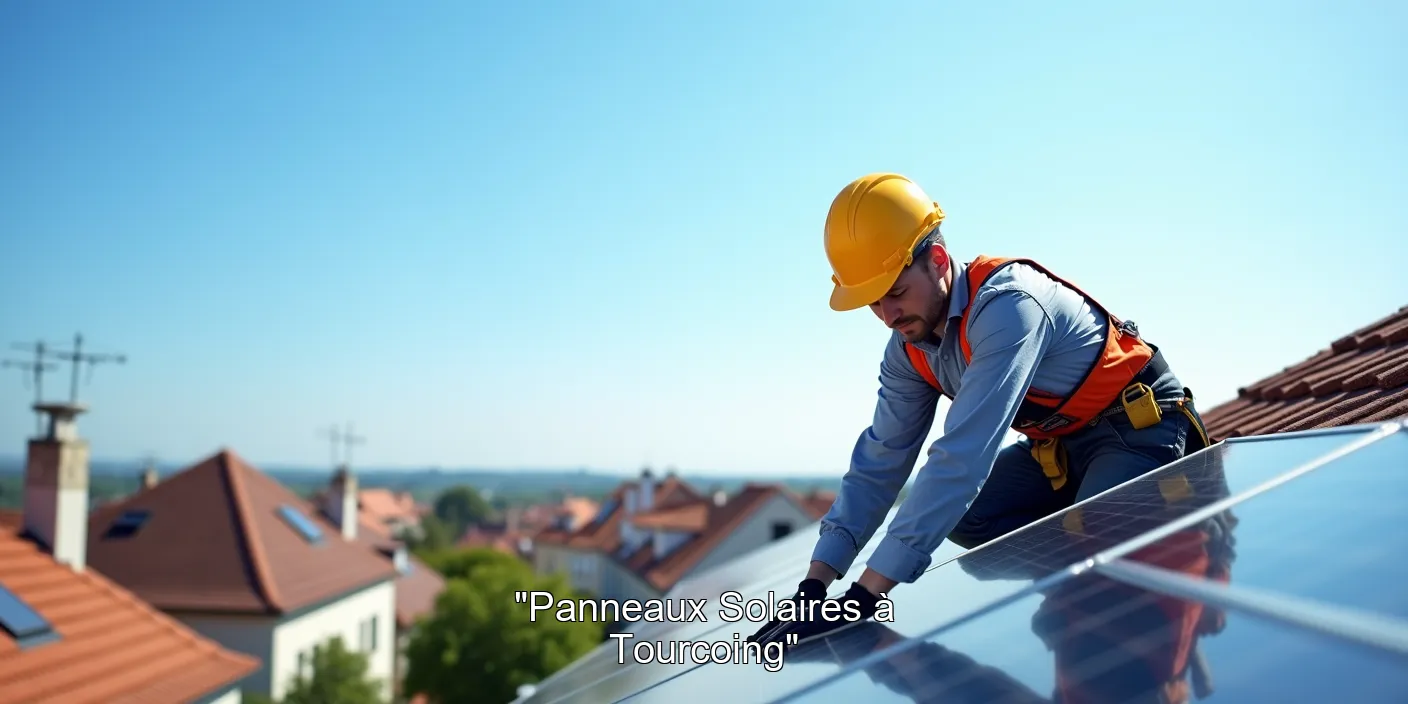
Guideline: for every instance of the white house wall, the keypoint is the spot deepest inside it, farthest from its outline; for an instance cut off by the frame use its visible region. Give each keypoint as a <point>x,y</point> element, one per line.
<point>224,696</point>
<point>343,617</point>
<point>755,532</point>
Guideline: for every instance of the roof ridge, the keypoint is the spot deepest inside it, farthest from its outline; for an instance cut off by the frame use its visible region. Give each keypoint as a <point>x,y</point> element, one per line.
<point>263,580</point>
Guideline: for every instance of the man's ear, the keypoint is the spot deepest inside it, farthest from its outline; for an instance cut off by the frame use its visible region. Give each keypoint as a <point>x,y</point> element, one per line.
<point>938,256</point>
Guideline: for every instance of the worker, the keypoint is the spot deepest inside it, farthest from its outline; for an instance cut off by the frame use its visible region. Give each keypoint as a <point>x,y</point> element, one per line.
<point>1011,345</point>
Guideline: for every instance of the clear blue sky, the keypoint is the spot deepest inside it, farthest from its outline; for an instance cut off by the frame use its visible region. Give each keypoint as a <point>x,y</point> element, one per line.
<point>566,234</point>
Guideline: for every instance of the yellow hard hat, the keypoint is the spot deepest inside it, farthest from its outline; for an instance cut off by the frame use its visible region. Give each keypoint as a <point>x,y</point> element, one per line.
<point>872,229</point>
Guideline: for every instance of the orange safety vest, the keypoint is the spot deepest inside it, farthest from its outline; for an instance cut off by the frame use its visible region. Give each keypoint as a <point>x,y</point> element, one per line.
<point>1045,415</point>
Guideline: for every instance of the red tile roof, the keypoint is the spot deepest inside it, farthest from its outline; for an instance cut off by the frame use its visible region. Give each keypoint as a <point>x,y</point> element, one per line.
<point>720,523</point>
<point>1360,378</point>
<point>690,517</point>
<point>112,647</point>
<point>215,541</point>
<point>606,535</point>
<point>12,519</point>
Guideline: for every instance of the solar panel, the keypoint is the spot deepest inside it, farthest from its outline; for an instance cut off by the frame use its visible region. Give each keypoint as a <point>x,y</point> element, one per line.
<point>1332,535</point>
<point>751,575</point>
<point>954,590</point>
<point>23,623</point>
<point>1110,642</point>
<point>301,523</point>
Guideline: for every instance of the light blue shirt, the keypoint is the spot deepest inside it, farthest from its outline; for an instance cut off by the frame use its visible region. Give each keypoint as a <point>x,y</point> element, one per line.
<point>1025,330</point>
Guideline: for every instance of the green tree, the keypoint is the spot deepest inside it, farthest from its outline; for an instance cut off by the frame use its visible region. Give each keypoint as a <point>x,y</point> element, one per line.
<point>435,536</point>
<point>339,676</point>
<point>461,506</point>
<point>478,644</point>
<point>464,563</point>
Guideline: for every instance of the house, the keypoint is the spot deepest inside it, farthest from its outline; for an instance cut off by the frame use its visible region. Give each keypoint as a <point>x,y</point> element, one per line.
<point>396,512</point>
<point>1360,378</point>
<point>580,553</point>
<point>515,534</point>
<point>651,535</point>
<point>417,585</point>
<point>244,561</point>
<point>69,634</point>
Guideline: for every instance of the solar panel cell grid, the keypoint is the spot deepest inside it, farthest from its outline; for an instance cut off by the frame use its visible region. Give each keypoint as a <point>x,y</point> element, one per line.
<point>955,589</point>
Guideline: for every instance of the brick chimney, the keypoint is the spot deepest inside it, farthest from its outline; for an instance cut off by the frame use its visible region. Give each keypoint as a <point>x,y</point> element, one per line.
<point>56,486</point>
<point>342,501</point>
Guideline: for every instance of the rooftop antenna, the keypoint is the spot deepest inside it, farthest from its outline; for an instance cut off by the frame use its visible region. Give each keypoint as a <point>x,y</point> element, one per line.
<point>37,368</point>
<point>342,439</point>
<point>348,440</point>
<point>78,358</point>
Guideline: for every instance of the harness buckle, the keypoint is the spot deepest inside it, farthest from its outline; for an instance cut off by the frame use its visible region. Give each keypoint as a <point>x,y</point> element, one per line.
<point>1140,406</point>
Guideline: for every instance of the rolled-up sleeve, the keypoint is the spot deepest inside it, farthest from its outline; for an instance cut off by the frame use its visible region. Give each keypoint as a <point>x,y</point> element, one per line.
<point>881,462</point>
<point>1009,332</point>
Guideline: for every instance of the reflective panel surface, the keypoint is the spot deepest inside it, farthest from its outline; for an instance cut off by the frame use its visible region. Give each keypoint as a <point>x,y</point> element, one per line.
<point>1091,639</point>
<point>953,589</point>
<point>1333,534</point>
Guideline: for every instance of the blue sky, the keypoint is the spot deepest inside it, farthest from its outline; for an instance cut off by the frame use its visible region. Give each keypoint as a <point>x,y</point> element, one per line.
<point>567,234</point>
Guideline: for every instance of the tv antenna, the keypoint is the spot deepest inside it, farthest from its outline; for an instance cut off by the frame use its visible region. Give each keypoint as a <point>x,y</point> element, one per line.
<point>342,439</point>
<point>36,368</point>
<point>78,357</point>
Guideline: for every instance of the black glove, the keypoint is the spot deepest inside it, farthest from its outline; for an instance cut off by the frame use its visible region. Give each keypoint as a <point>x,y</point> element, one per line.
<point>824,619</point>
<point>809,590</point>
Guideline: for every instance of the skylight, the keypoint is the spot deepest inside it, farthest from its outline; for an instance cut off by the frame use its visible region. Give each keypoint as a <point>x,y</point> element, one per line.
<point>127,524</point>
<point>22,622</point>
<point>605,511</point>
<point>301,523</point>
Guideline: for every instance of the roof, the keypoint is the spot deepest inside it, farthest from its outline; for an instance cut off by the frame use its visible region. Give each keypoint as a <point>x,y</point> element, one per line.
<point>1360,378</point>
<point>720,522</point>
<point>818,502</point>
<point>385,505</point>
<point>12,519</point>
<point>112,647</point>
<point>605,535</point>
<point>215,540</point>
<point>692,517</point>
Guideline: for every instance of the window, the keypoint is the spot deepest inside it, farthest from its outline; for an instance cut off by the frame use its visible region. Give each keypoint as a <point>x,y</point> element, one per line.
<point>305,665</point>
<point>781,529</point>
<point>366,635</point>
<point>22,622</point>
<point>127,524</point>
<point>301,523</point>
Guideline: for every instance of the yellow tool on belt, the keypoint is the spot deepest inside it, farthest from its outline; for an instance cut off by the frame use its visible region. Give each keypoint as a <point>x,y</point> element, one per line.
<point>1143,410</point>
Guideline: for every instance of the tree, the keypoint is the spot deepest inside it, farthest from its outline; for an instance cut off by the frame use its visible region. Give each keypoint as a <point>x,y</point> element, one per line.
<point>460,507</point>
<point>464,563</point>
<point>339,675</point>
<point>478,644</point>
<point>435,536</point>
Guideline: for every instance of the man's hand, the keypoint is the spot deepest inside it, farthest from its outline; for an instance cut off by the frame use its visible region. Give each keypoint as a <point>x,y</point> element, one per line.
<point>824,618</point>
<point>810,590</point>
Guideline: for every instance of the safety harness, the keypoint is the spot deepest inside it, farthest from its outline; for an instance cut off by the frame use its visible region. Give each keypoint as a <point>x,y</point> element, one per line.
<point>1119,381</point>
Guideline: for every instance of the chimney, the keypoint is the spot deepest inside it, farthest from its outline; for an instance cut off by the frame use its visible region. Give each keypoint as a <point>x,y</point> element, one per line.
<point>56,486</point>
<point>646,501</point>
<point>342,501</point>
<point>149,476</point>
<point>511,520</point>
<point>720,497</point>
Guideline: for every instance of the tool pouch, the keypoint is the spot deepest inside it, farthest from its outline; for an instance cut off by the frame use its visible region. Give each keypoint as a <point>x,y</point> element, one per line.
<point>1051,455</point>
<point>1140,406</point>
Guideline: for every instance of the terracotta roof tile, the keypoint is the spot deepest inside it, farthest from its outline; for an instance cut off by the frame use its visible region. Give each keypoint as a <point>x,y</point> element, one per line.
<point>723,521</point>
<point>112,647</point>
<point>1360,378</point>
<point>11,519</point>
<point>214,541</point>
<point>691,516</point>
<point>606,535</point>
